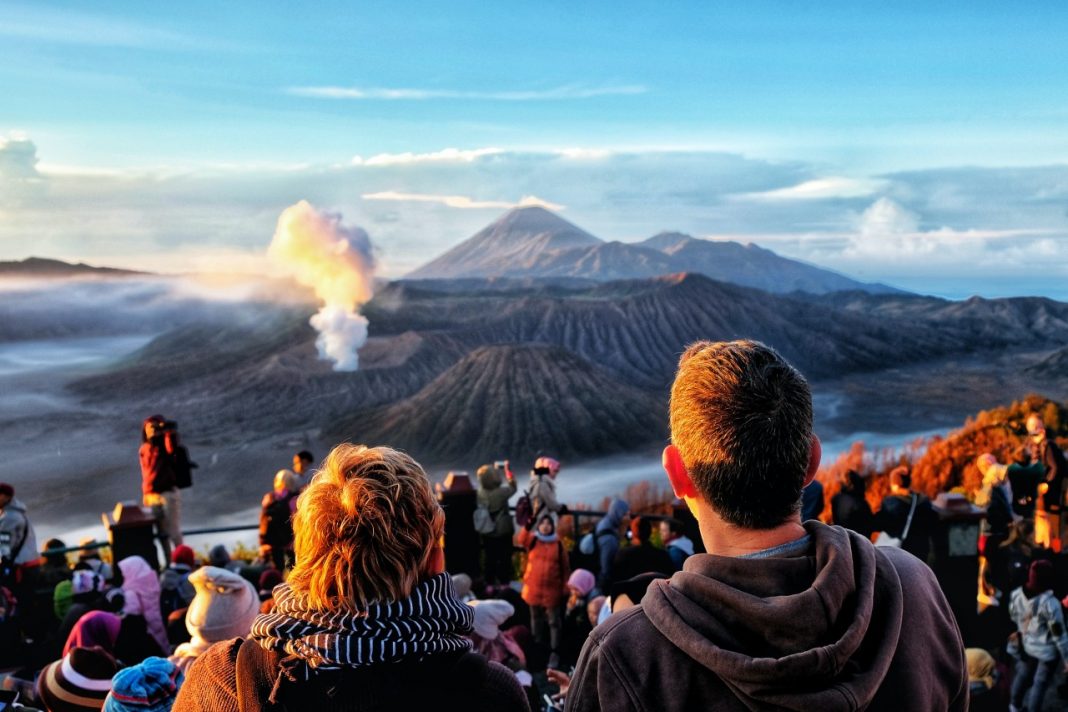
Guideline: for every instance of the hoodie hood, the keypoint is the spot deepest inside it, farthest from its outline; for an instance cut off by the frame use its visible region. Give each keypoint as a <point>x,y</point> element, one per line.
<point>611,521</point>
<point>684,543</point>
<point>827,645</point>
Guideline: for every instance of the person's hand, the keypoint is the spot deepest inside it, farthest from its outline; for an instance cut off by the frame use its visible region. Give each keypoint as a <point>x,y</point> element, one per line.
<point>561,680</point>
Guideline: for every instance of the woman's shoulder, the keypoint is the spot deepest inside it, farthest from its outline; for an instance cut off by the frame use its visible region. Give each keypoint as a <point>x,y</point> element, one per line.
<point>211,680</point>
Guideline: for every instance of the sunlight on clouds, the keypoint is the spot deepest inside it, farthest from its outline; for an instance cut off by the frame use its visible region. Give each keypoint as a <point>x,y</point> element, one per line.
<point>820,189</point>
<point>462,201</point>
<point>447,155</point>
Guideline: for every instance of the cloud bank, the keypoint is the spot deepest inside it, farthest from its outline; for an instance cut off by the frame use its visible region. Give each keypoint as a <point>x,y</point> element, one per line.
<point>952,231</point>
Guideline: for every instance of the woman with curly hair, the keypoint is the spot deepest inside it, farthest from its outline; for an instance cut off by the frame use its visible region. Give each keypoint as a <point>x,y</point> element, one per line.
<point>368,618</point>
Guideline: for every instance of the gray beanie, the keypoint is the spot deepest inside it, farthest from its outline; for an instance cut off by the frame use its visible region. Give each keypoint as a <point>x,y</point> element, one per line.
<point>224,607</point>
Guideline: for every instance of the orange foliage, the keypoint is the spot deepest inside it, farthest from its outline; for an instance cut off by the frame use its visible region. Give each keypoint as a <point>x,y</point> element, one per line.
<point>940,464</point>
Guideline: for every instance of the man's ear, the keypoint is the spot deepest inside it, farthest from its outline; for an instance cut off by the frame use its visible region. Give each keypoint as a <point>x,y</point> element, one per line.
<point>677,474</point>
<point>814,457</point>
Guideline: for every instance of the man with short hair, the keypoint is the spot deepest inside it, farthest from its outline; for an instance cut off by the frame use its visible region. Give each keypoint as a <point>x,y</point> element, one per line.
<point>302,465</point>
<point>777,614</point>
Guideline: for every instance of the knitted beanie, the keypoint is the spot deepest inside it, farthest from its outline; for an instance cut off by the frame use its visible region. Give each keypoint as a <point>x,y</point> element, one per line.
<point>489,615</point>
<point>62,599</point>
<point>184,554</point>
<point>224,606</point>
<point>582,581</point>
<point>148,687</point>
<point>77,682</point>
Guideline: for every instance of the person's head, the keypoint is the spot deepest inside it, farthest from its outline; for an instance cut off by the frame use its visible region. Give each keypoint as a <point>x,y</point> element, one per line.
<point>302,461</point>
<point>993,473</point>
<point>641,529</point>
<point>219,556</point>
<point>1036,428</point>
<point>546,525</point>
<point>152,427</point>
<point>7,493</point>
<point>854,482</point>
<point>547,466</point>
<point>581,582</point>
<point>671,529</point>
<point>741,433</point>
<point>50,554</point>
<point>490,615</point>
<point>150,686</point>
<point>286,481</point>
<point>900,478</point>
<point>981,666</point>
<point>1039,577</point>
<point>224,607</point>
<point>78,681</point>
<point>183,555</point>
<point>593,609</point>
<point>367,528</point>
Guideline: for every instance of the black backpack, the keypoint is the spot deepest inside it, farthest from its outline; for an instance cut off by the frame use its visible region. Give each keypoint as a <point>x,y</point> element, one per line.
<point>183,468</point>
<point>279,528</point>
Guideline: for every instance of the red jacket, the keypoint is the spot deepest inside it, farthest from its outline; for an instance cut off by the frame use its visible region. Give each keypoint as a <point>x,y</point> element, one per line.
<point>157,468</point>
<point>545,578</point>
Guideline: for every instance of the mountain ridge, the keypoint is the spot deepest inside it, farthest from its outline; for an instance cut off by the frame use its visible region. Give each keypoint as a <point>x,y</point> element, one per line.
<point>534,242</point>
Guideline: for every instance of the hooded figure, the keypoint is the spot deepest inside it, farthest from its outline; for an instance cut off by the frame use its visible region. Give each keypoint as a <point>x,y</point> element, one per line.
<point>141,591</point>
<point>607,534</point>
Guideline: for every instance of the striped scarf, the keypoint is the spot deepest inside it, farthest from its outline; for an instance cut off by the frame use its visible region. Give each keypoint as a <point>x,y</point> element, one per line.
<point>430,621</point>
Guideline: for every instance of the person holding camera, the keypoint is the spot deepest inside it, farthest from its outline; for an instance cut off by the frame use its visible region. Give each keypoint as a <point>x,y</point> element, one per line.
<point>497,530</point>
<point>159,456</point>
<point>18,543</point>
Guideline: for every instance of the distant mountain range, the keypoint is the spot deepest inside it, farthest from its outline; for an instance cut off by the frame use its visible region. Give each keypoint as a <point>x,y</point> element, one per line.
<point>42,267</point>
<point>534,242</point>
<point>471,370</point>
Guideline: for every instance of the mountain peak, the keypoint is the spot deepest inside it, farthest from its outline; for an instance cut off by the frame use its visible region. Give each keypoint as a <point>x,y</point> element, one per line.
<point>508,246</point>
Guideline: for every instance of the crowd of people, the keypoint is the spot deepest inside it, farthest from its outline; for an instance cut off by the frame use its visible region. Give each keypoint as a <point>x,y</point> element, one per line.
<point>374,589</point>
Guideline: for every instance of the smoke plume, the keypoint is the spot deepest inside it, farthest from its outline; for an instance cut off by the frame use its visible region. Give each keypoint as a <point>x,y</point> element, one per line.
<point>334,260</point>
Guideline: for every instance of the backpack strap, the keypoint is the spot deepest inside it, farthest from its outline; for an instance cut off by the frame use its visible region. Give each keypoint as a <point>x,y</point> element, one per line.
<point>908,522</point>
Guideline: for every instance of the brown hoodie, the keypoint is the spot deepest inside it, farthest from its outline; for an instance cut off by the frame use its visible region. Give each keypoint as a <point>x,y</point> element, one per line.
<point>844,626</point>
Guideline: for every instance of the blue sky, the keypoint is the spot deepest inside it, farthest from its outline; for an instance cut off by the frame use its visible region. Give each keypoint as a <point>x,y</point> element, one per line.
<point>822,130</point>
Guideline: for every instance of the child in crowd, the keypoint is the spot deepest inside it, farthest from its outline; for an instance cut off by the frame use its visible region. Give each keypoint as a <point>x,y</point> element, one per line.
<point>576,621</point>
<point>544,582</point>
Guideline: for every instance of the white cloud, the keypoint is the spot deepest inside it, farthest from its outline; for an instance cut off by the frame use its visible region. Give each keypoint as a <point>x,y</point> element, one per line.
<point>583,154</point>
<point>18,158</point>
<point>447,155</point>
<point>560,93</point>
<point>820,189</point>
<point>461,201</point>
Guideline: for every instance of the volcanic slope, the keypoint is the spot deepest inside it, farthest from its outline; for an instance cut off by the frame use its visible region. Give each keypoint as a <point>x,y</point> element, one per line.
<point>518,401</point>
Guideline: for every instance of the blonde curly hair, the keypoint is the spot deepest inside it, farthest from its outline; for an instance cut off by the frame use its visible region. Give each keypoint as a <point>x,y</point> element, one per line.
<point>365,529</point>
